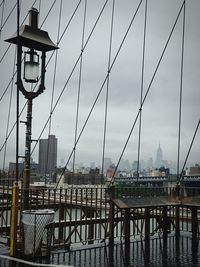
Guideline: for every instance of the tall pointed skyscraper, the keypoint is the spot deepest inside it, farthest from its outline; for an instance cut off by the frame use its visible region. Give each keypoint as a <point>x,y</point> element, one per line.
<point>159,157</point>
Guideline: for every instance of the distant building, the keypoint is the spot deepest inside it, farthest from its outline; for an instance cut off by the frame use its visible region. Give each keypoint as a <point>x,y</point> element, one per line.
<point>12,168</point>
<point>159,157</point>
<point>195,170</point>
<point>107,163</point>
<point>48,155</point>
<point>93,178</point>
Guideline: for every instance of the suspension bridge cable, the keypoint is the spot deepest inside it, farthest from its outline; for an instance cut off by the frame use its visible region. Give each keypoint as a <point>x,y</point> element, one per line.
<point>7,18</point>
<point>49,11</point>
<point>8,86</point>
<point>72,71</point>
<point>17,122</point>
<point>11,130</point>
<point>102,86</point>
<point>18,115</point>
<point>9,111</point>
<point>5,55</point>
<point>79,84</point>
<point>2,2</point>
<point>188,153</point>
<point>181,93</point>
<point>2,14</point>
<point>52,52</point>
<point>107,87</point>
<point>69,21</point>
<point>6,51</point>
<point>53,90</point>
<point>147,92</point>
<point>141,89</point>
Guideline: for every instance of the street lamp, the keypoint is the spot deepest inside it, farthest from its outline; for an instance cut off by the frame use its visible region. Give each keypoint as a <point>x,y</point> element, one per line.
<point>37,42</point>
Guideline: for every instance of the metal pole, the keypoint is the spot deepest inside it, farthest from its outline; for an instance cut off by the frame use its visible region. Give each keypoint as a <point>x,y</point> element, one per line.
<point>26,176</point>
<point>17,97</point>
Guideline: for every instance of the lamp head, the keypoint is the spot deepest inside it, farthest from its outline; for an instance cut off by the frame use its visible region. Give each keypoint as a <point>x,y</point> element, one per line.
<point>32,37</point>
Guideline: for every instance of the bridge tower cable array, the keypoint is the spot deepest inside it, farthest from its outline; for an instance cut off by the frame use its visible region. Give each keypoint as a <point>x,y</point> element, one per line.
<point>147,91</point>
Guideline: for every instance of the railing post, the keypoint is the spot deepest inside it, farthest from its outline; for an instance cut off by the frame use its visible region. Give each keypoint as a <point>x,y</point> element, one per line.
<point>127,226</point>
<point>111,216</point>
<point>165,226</point>
<point>14,219</point>
<point>177,221</point>
<point>147,234</point>
<point>61,218</point>
<point>127,235</point>
<point>91,229</point>
<point>194,223</point>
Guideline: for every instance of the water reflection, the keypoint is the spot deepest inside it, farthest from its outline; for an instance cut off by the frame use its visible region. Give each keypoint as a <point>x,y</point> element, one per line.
<point>183,251</point>
<point>175,251</point>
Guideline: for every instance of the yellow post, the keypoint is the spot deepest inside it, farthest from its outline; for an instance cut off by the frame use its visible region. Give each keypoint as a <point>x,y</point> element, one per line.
<point>14,219</point>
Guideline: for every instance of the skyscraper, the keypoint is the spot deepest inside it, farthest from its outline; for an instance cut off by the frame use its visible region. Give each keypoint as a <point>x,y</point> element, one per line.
<point>159,157</point>
<point>48,155</point>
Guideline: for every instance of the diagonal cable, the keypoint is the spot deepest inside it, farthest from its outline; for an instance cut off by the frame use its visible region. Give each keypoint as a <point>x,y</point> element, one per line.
<point>147,92</point>
<point>102,86</point>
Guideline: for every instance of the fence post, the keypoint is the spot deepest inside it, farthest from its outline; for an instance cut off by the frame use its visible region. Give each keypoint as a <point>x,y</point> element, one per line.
<point>14,220</point>
<point>194,223</point>
<point>147,233</point>
<point>177,221</point>
<point>111,216</point>
<point>61,218</point>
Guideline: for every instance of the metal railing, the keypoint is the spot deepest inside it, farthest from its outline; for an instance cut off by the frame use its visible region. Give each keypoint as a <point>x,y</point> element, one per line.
<point>82,214</point>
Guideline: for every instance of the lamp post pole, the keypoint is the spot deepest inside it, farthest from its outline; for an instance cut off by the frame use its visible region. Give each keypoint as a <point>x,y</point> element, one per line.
<point>27,165</point>
<point>35,39</point>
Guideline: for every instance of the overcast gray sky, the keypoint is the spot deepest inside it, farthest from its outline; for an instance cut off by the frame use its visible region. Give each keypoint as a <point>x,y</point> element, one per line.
<point>160,111</point>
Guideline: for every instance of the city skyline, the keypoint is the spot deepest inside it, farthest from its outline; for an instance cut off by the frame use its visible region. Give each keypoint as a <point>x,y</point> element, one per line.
<point>160,111</point>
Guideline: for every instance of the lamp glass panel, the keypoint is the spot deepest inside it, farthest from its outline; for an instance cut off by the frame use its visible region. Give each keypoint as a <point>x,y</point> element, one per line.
<point>31,67</point>
<point>31,71</point>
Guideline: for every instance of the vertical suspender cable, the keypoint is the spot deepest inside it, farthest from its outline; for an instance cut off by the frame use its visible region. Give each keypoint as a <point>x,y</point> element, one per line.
<point>9,110</point>
<point>10,82</point>
<point>107,88</point>
<point>53,90</point>
<point>3,24</point>
<point>141,94</point>
<point>104,81</point>
<point>79,84</point>
<point>67,26</point>
<point>147,91</point>
<point>181,92</point>
<point>74,67</point>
